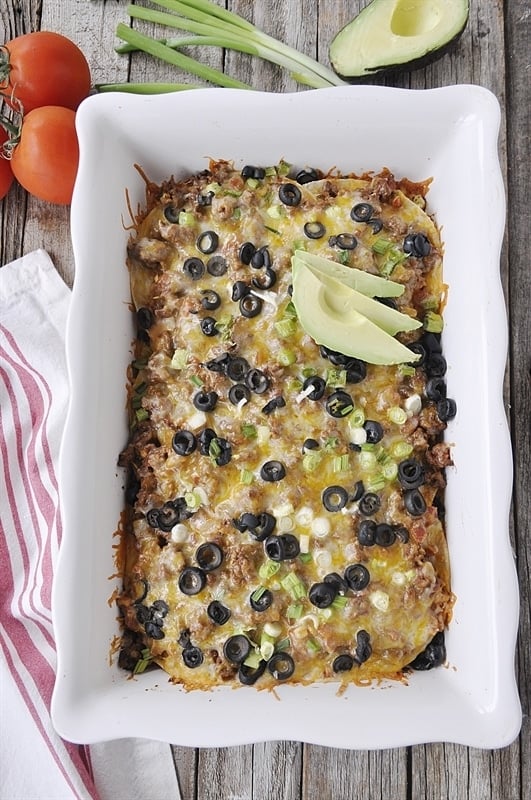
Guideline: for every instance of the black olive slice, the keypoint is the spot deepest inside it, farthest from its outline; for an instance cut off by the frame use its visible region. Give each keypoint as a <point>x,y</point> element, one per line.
<point>273,404</point>
<point>205,401</point>
<point>246,252</point>
<point>358,492</point>
<point>144,318</point>
<point>239,290</point>
<point>337,581</point>
<point>160,608</point>
<point>237,648</point>
<point>139,590</point>
<point>317,385</point>
<point>274,548</point>
<point>250,306</point>
<point>207,242</point>
<point>361,212</point>
<point>210,300</point>
<point>194,268</point>
<point>265,280</point>
<point>384,535</point>
<point>307,176</point>
<point>334,498</point>
<point>417,245</point>
<point>192,656</point>
<point>343,663</point>
<point>192,580</point>
<point>152,517</point>
<point>218,613</point>
<point>216,266</point>
<point>373,430</point>
<point>322,594</point>
<point>310,444</point>
<point>172,214</point>
<point>446,409</point>
<point>220,450</point>
<point>357,576</point>
<point>249,675</point>
<point>432,656</point>
<point>238,393</point>
<point>367,532</point>
<point>432,342</point>
<point>420,350</point>
<point>375,224</point>
<point>291,546</point>
<point>369,504</point>
<point>356,370</point>
<point>272,471</point>
<point>402,533</point>
<point>171,513</point>
<point>205,199</point>
<point>339,404</point>
<point>184,443</point>
<point>345,241</point>
<point>414,502</point>
<point>289,194</point>
<point>250,171</point>
<point>153,630</point>
<point>363,646</point>
<point>218,364</point>
<point>435,365</point>
<point>257,381</point>
<point>260,600</point>
<point>204,439</point>
<point>209,556</point>
<point>259,526</point>
<point>143,614</point>
<point>184,638</point>
<point>281,666</point>
<point>261,258</point>
<point>314,230</point>
<point>237,368</point>
<point>410,473</point>
<point>208,326</point>
<point>435,389</point>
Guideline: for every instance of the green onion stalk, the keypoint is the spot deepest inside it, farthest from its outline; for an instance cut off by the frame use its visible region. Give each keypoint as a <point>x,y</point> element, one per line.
<point>210,25</point>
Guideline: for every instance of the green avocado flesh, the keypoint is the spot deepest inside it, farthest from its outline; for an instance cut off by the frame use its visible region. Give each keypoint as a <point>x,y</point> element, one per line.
<point>329,311</point>
<point>392,34</point>
<point>370,285</point>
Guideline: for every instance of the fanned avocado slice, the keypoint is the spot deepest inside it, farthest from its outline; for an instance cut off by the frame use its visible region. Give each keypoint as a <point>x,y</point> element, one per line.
<point>326,312</point>
<point>364,282</point>
<point>388,35</point>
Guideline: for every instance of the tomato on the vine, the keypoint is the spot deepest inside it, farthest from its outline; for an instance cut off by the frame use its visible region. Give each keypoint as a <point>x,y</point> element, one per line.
<point>6,173</point>
<point>44,69</point>
<point>46,158</point>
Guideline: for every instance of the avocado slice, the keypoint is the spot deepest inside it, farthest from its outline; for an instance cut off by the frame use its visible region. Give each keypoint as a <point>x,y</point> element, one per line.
<point>326,311</point>
<point>389,35</point>
<point>364,282</point>
<point>342,298</point>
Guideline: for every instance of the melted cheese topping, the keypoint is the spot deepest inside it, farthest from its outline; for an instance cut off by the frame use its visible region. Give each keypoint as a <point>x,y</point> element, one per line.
<point>184,501</point>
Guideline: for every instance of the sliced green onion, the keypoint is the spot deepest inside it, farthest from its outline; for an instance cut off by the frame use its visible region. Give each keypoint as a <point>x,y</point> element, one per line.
<point>340,601</point>
<point>340,463</point>
<point>401,449</point>
<point>246,477</point>
<point>306,558</point>
<point>294,611</point>
<point>196,380</point>
<point>433,322</point>
<point>283,644</point>
<point>406,370</point>
<point>311,460</point>
<point>336,378</point>
<point>268,569</point>
<point>141,415</point>
<point>397,415</point>
<point>313,645</point>
<point>285,328</point>
<point>258,593</point>
<point>286,357</point>
<point>253,659</point>
<point>294,586</point>
<point>179,359</point>
<point>187,219</point>
<point>381,245</point>
<point>249,430</point>
<point>390,470</point>
<point>143,662</point>
<point>357,418</point>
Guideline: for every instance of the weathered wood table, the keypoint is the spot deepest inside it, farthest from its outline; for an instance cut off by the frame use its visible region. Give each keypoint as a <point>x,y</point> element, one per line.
<point>495,53</point>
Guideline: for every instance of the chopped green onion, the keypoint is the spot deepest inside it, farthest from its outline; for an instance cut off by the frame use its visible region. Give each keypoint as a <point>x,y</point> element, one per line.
<point>285,328</point>
<point>186,218</point>
<point>141,415</point>
<point>390,470</point>
<point>196,380</point>
<point>249,430</point>
<point>306,558</point>
<point>331,443</point>
<point>139,363</point>
<point>253,659</point>
<point>258,593</point>
<point>307,372</point>
<point>344,257</point>
<point>283,644</point>
<point>214,449</point>
<point>272,230</point>
<point>246,477</point>
<point>286,357</point>
<point>283,168</point>
<point>433,322</point>
<point>401,449</point>
<point>311,460</point>
<point>224,326</point>
<point>406,370</point>
<point>375,483</point>
<point>340,601</point>
<point>294,611</point>
<point>336,377</point>
<point>340,463</point>
<point>143,662</point>
<point>381,245</point>
<point>268,569</point>
<point>397,415</point>
<point>313,645</point>
<point>294,586</point>
<point>357,418</point>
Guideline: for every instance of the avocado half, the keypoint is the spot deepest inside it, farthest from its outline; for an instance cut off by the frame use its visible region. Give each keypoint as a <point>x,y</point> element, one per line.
<point>393,35</point>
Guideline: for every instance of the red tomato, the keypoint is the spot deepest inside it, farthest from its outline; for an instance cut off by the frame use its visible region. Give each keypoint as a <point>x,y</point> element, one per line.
<point>6,173</point>
<point>46,158</point>
<point>44,69</point>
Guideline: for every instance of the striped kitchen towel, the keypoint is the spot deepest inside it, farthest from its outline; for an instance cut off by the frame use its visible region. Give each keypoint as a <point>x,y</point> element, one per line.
<point>35,763</point>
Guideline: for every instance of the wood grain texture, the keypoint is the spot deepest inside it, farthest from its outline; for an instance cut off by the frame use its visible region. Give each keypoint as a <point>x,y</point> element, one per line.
<point>493,52</point>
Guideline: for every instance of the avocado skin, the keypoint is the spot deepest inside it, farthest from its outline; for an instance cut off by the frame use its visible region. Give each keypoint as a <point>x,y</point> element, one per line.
<point>395,68</point>
<point>409,66</point>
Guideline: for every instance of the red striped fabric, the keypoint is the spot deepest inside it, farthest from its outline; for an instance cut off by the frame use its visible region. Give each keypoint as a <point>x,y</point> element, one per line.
<point>31,416</point>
